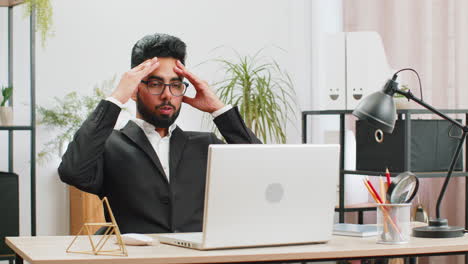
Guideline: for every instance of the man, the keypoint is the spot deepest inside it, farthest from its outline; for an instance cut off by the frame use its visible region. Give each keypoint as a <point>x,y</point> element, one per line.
<point>152,171</point>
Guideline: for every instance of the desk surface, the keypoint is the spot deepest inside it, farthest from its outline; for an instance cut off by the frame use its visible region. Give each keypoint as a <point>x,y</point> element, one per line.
<point>51,249</point>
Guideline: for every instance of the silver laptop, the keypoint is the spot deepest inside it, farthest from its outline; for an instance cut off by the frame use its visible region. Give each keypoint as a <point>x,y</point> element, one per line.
<point>263,195</point>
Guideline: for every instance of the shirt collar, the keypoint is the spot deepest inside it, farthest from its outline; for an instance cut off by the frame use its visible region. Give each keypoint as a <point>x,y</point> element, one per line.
<point>149,128</point>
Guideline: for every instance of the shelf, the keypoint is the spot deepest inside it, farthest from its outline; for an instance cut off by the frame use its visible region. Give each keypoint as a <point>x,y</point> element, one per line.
<point>357,207</point>
<point>424,111</point>
<point>401,111</point>
<point>6,3</point>
<point>402,114</point>
<point>438,174</point>
<point>7,257</point>
<point>30,127</point>
<point>326,112</point>
<point>15,127</point>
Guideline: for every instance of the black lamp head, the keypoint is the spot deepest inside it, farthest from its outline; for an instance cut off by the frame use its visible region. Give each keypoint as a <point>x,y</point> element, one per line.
<point>379,108</point>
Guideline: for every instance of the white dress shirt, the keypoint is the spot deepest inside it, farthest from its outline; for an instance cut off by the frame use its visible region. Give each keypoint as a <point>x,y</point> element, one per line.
<point>161,145</point>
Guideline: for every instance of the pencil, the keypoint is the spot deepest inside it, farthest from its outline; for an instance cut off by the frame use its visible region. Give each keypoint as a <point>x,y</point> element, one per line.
<point>387,174</point>
<point>383,194</point>
<point>366,183</point>
<point>373,190</point>
<point>384,210</point>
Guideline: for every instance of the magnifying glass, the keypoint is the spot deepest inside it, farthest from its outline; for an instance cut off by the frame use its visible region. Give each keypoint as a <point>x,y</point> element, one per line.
<point>403,188</point>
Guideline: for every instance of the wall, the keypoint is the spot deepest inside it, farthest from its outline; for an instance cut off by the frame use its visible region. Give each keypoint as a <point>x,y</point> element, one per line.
<point>92,43</point>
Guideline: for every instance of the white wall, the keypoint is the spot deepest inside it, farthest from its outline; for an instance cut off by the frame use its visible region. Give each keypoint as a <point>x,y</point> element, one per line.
<point>93,40</point>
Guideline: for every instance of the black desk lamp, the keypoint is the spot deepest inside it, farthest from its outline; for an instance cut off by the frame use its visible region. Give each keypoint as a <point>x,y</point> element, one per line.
<point>379,110</point>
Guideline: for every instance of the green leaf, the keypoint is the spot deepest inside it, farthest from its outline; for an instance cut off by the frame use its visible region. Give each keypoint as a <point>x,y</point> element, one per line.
<point>67,114</point>
<point>7,92</point>
<point>263,92</point>
<point>44,14</point>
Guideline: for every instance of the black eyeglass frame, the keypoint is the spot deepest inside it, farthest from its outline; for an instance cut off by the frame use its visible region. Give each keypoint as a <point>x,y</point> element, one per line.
<point>166,85</point>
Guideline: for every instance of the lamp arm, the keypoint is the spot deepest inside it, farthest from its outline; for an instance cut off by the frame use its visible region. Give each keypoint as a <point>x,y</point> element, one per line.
<point>410,96</point>
<point>449,173</point>
<point>464,128</point>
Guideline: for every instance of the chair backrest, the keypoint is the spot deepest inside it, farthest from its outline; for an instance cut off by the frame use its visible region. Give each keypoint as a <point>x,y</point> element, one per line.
<point>9,209</point>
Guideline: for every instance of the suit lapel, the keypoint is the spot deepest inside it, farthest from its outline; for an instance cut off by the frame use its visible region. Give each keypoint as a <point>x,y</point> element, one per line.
<point>177,145</point>
<point>136,134</point>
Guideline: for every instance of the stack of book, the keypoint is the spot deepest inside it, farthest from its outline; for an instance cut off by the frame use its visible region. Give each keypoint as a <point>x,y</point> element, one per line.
<point>354,230</point>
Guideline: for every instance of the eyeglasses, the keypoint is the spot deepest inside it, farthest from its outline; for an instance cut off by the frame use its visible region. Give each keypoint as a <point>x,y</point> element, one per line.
<point>156,87</point>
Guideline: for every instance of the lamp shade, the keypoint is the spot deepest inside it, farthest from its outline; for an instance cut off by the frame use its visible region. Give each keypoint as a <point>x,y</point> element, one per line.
<point>379,109</point>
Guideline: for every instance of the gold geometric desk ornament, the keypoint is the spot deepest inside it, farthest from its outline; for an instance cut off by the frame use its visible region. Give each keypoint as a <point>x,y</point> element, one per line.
<point>98,248</point>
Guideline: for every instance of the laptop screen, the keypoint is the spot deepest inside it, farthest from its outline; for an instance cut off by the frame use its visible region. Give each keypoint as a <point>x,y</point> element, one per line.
<point>270,194</point>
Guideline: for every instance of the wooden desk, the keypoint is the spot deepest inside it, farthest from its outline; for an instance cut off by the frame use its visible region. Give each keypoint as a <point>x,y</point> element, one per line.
<point>51,249</point>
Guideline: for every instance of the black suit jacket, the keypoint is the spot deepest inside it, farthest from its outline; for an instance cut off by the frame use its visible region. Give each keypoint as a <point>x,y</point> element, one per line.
<point>123,166</point>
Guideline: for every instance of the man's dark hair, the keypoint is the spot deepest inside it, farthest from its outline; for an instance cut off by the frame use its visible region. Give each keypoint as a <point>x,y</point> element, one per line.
<point>158,45</point>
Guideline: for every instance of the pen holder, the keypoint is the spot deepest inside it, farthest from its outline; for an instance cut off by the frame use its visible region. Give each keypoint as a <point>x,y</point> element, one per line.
<point>393,223</point>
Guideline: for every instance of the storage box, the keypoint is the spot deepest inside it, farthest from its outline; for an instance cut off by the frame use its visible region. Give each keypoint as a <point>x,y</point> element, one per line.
<point>9,209</point>
<point>367,69</point>
<point>352,65</point>
<point>332,77</point>
<point>431,148</point>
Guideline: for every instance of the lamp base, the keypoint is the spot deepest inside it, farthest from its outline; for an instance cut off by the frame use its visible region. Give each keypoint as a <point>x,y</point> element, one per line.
<point>438,228</point>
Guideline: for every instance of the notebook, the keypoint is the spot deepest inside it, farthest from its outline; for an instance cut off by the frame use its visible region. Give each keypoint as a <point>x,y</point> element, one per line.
<point>354,230</point>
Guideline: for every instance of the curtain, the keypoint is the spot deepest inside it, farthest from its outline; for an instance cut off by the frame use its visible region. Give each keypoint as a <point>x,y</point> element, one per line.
<point>430,36</point>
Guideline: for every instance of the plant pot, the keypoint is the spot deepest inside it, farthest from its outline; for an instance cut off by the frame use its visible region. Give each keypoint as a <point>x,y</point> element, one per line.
<point>10,2</point>
<point>6,115</point>
<point>403,103</point>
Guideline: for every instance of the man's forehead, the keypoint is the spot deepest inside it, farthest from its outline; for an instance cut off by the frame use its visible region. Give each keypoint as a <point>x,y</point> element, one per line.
<point>165,70</point>
<point>174,77</point>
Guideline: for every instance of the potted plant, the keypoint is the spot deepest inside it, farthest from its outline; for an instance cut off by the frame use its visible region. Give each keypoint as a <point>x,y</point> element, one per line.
<point>401,102</point>
<point>263,92</point>
<point>6,112</point>
<point>67,115</point>
<point>44,14</point>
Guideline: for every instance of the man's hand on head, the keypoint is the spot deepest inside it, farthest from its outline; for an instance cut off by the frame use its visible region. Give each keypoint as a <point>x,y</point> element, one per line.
<point>130,80</point>
<point>205,99</point>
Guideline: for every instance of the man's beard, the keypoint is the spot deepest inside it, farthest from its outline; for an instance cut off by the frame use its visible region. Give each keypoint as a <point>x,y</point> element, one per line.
<point>151,117</point>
